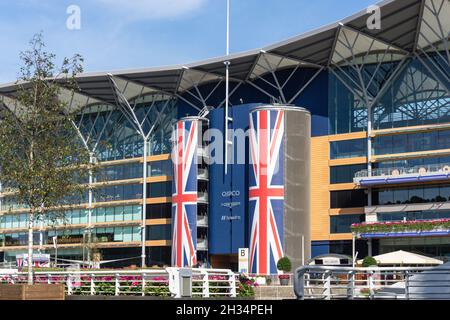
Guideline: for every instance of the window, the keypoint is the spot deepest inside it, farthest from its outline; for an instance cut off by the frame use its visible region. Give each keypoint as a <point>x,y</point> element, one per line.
<point>160,168</point>
<point>342,223</point>
<point>160,256</point>
<point>120,172</point>
<point>345,174</point>
<point>348,149</point>
<point>348,199</point>
<point>346,111</point>
<point>159,189</point>
<point>412,142</point>
<point>159,232</point>
<point>159,211</point>
<point>410,195</point>
<point>118,193</point>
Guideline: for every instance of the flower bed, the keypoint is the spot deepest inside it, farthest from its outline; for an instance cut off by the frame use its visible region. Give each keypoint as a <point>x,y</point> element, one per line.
<point>401,226</point>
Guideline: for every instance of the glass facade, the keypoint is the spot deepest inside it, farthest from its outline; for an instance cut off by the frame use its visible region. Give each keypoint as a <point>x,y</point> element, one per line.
<point>345,174</point>
<point>160,168</point>
<point>410,195</point>
<point>116,139</point>
<point>159,256</point>
<point>342,223</point>
<point>348,199</point>
<point>413,142</point>
<point>347,111</point>
<point>159,232</point>
<point>121,213</point>
<point>415,97</point>
<point>159,189</point>
<point>159,211</point>
<point>119,172</point>
<point>76,236</point>
<point>348,149</point>
<point>118,193</point>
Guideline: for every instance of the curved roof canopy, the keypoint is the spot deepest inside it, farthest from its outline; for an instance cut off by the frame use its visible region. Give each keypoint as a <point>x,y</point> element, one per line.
<point>407,26</point>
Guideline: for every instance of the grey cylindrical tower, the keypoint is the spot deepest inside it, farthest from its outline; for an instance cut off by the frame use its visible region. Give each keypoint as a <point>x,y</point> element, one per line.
<point>279,187</point>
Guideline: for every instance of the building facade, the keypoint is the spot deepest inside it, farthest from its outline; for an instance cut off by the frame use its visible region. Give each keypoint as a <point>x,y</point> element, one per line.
<point>379,149</point>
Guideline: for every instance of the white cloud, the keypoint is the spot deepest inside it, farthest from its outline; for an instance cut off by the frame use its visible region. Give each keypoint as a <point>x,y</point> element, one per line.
<point>152,9</point>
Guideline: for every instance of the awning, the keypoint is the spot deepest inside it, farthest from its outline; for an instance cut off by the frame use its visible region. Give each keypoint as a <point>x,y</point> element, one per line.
<point>404,258</point>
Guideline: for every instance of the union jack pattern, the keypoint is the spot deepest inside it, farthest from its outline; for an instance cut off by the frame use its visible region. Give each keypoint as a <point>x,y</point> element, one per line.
<point>184,198</point>
<point>266,190</point>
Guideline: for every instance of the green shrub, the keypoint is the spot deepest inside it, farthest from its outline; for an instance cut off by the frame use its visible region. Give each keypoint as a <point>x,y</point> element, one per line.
<point>284,264</point>
<point>369,262</point>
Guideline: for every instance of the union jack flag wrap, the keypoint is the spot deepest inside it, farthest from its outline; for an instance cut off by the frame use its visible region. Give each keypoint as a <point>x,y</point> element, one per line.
<point>184,198</point>
<point>266,190</point>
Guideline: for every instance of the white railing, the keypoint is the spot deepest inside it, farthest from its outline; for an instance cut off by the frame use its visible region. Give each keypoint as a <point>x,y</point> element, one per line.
<point>329,283</point>
<point>402,171</point>
<point>206,283</point>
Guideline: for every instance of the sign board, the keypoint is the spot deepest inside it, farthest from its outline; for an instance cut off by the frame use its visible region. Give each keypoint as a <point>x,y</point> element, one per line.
<point>243,260</point>
<point>39,260</point>
<point>330,261</point>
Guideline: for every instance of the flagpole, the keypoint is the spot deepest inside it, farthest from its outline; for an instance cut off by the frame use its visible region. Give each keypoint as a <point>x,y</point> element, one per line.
<point>227,87</point>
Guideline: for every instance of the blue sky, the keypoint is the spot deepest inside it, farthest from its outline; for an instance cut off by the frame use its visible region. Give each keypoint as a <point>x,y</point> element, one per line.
<point>127,34</point>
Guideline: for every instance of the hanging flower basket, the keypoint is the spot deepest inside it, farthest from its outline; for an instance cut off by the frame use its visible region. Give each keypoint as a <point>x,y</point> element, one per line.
<point>401,226</point>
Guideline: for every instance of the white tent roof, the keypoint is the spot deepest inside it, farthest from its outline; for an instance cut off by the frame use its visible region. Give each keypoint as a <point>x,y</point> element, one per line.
<point>404,258</point>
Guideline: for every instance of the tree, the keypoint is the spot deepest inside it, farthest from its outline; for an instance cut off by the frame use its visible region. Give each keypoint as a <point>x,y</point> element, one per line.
<point>42,159</point>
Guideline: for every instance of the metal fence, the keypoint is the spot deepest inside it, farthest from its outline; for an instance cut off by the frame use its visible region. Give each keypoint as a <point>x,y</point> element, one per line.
<point>206,283</point>
<point>328,283</point>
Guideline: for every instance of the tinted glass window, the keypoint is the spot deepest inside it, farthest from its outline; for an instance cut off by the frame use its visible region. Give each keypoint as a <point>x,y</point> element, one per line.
<point>348,199</point>
<point>411,195</point>
<point>348,149</point>
<point>159,232</point>
<point>345,174</point>
<point>342,223</point>
<point>159,211</point>
<point>412,142</point>
<point>160,168</point>
<point>159,189</point>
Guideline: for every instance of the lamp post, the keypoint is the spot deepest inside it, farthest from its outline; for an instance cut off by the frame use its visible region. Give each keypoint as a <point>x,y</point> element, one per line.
<point>353,249</point>
<point>55,245</point>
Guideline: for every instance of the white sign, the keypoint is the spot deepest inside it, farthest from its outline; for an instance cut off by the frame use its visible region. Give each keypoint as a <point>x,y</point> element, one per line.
<point>243,260</point>
<point>330,261</point>
<point>39,260</point>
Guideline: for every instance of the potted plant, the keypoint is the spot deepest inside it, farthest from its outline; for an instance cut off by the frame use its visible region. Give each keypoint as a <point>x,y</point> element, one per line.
<point>284,265</point>
<point>369,262</point>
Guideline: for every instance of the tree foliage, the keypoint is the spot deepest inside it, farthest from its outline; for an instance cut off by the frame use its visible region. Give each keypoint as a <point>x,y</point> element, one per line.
<point>42,158</point>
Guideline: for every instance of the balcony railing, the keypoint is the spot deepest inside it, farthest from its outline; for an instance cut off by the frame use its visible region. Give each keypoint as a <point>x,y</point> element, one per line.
<point>202,221</point>
<point>202,244</point>
<point>397,175</point>
<point>203,174</point>
<point>344,283</point>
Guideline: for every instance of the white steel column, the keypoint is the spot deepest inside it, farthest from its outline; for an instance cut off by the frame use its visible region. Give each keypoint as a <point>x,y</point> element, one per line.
<point>353,250</point>
<point>90,202</point>
<point>144,201</point>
